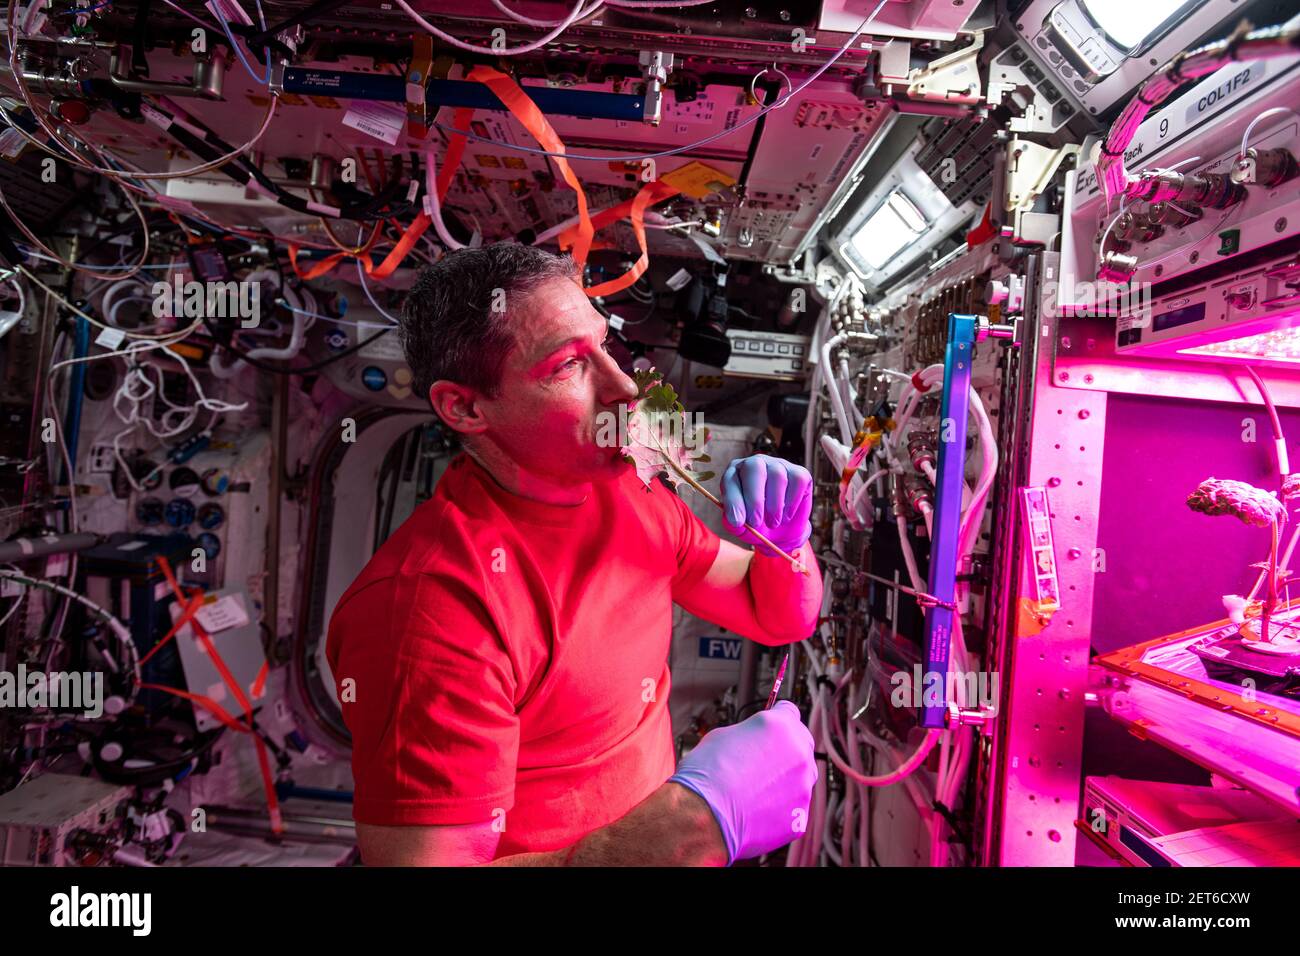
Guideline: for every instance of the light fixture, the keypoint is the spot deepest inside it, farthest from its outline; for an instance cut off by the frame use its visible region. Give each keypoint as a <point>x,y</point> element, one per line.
<point>1128,24</point>
<point>889,229</point>
<point>1097,36</point>
<point>1278,345</point>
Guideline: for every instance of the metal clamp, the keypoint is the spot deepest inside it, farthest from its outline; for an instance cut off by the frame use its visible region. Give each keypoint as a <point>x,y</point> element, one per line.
<point>657,65</point>
<point>984,329</point>
<point>209,74</point>
<point>418,75</point>
<point>956,717</point>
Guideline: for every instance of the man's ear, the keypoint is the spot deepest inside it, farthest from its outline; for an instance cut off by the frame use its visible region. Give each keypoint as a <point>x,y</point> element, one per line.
<point>458,407</point>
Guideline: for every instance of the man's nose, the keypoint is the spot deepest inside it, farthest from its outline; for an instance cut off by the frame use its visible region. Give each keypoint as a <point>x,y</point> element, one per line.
<point>616,386</point>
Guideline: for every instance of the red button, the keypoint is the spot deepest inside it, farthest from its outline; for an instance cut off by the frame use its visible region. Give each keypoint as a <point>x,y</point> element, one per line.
<point>75,112</point>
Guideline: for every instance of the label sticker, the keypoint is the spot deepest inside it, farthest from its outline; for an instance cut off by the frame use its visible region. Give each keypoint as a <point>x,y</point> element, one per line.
<point>11,143</point>
<point>383,121</point>
<point>384,348</point>
<point>110,338</point>
<point>222,614</point>
<point>678,279</point>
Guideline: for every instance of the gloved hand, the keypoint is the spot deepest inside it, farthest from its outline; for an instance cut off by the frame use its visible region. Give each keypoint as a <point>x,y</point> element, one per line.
<point>757,777</point>
<point>771,494</point>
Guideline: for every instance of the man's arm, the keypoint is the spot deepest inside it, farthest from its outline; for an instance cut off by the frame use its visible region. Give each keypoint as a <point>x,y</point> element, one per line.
<point>759,597</point>
<point>671,827</point>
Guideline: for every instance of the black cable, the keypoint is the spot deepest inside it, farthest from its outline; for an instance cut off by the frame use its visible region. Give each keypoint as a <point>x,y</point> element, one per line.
<point>257,39</point>
<point>139,37</point>
<point>210,146</point>
<point>654,304</point>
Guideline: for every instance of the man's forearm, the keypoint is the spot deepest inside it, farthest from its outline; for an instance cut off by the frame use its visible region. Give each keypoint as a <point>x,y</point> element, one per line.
<point>786,602</point>
<point>671,827</point>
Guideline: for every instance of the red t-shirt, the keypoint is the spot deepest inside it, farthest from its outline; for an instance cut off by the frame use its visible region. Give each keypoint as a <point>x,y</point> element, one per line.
<point>511,656</point>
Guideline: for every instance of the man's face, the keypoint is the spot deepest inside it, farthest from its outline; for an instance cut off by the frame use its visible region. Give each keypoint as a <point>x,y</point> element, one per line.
<point>557,381</point>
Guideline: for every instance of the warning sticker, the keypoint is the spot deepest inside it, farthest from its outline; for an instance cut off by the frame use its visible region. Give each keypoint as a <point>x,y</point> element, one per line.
<point>697,180</point>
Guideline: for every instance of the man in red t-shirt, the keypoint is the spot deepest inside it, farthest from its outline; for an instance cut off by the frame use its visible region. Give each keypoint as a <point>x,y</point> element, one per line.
<point>501,662</point>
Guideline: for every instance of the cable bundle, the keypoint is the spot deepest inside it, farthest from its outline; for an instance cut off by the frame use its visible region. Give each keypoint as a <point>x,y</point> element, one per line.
<point>1244,44</point>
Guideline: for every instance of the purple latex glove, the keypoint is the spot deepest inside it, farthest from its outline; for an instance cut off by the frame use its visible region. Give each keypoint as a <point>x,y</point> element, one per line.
<point>757,777</point>
<point>772,495</point>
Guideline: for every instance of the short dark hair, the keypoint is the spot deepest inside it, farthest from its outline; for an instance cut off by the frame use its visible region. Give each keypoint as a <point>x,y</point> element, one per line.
<point>449,330</point>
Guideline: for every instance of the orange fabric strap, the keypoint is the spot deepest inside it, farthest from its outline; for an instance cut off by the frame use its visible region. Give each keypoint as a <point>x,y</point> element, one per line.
<point>647,196</point>
<point>455,150</point>
<point>421,223</point>
<point>188,612</point>
<point>624,209</point>
<point>316,270</point>
<point>207,703</point>
<point>264,763</point>
<point>417,228</point>
<point>525,110</point>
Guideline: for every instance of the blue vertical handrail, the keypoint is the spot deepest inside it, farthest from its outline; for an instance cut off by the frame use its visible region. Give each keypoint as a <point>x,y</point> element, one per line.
<point>946,528</point>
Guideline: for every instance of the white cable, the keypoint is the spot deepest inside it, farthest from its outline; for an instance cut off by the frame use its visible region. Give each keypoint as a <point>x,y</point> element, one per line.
<point>22,296</point>
<point>689,147</point>
<point>116,626</point>
<point>107,305</point>
<point>296,335</point>
<point>96,322</point>
<point>909,557</point>
<point>974,517</point>
<point>828,828</point>
<point>71,156</point>
<point>802,851</point>
<point>833,388</point>
<point>265,80</point>
<point>857,796</point>
<point>1245,137</point>
<point>1123,207</point>
<point>519,17</point>
<point>850,403</point>
<point>1101,246</point>
<point>860,498</point>
<point>904,768</point>
<point>578,11</point>
<point>17,603</point>
<point>365,287</point>
<point>136,387</point>
<point>110,312</point>
<point>432,205</point>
